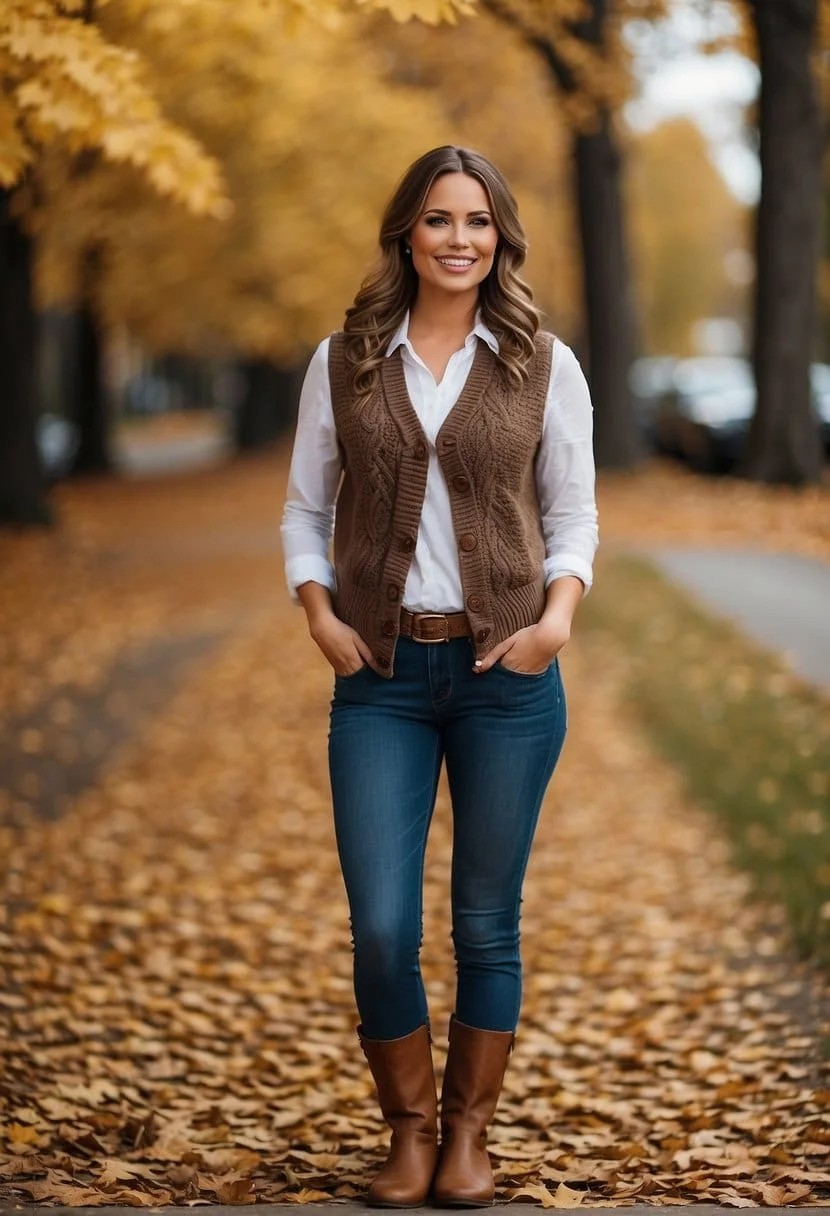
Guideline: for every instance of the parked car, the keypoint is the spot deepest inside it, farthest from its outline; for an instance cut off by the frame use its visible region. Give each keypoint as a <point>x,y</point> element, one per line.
<point>148,393</point>
<point>704,414</point>
<point>704,418</point>
<point>57,443</point>
<point>820,384</point>
<point>649,379</point>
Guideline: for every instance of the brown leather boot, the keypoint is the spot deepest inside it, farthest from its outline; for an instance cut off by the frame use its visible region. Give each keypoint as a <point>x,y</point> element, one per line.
<point>476,1064</point>
<point>405,1080</point>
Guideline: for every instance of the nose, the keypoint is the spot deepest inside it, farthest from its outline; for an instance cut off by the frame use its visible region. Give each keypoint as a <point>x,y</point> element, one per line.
<point>458,237</point>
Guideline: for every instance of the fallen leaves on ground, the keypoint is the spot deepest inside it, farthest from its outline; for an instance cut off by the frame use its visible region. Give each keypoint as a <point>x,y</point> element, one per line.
<point>668,504</point>
<point>175,950</point>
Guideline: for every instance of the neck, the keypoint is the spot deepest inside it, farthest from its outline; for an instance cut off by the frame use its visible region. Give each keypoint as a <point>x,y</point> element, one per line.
<point>440,310</point>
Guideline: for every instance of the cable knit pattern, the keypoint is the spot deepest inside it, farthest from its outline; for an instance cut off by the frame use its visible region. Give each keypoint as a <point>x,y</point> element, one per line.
<point>500,454</point>
<point>486,449</point>
<point>370,440</point>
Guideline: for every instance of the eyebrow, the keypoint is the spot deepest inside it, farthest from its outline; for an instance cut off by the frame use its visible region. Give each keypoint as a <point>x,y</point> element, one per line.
<point>440,211</point>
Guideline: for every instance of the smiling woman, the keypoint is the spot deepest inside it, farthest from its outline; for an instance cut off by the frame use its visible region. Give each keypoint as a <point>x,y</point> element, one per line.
<point>452,207</point>
<point>451,239</point>
<point>455,439</point>
<point>454,239</point>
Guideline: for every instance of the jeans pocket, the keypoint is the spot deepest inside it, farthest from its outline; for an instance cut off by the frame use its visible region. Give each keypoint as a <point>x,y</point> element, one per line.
<point>523,675</point>
<point>353,674</point>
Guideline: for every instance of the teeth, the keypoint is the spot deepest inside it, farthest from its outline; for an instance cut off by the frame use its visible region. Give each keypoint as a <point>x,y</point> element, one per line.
<point>456,261</point>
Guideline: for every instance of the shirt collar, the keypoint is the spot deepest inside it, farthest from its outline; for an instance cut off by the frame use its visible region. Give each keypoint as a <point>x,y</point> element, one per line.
<point>479,330</point>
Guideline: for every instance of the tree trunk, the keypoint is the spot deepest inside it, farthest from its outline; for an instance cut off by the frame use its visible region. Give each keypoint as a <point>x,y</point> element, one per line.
<point>609,303</point>
<point>610,311</point>
<point>22,482</point>
<point>783,441</point>
<point>824,323</point>
<point>88,407</point>
<point>267,406</point>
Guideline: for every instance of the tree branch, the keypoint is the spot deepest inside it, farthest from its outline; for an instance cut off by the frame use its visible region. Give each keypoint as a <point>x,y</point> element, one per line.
<point>543,46</point>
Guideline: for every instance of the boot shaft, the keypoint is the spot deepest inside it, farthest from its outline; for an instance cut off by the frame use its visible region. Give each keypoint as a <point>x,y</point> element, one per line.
<point>405,1081</point>
<point>474,1074</point>
<point>404,1078</point>
<point>476,1063</point>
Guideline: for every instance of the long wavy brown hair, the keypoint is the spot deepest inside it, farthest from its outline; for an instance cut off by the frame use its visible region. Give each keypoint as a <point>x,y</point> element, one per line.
<point>390,288</point>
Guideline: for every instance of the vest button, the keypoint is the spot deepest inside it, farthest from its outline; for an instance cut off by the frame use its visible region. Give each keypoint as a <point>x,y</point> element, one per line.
<point>390,628</point>
<point>448,444</point>
<point>482,635</point>
<point>461,483</point>
<point>393,592</point>
<point>468,542</point>
<point>419,451</point>
<point>383,662</point>
<point>407,543</point>
<point>474,603</point>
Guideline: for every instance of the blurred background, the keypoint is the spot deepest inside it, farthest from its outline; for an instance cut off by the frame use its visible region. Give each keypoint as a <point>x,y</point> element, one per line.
<point>191,194</point>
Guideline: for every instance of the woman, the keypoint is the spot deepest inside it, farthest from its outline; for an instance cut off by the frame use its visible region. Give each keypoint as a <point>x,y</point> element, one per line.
<point>455,438</point>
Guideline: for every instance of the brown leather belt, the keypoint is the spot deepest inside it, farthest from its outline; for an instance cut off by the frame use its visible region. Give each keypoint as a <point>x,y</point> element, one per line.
<point>434,626</point>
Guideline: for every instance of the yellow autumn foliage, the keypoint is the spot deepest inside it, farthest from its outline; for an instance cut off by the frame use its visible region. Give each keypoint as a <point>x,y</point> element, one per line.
<point>309,139</point>
<point>431,11</point>
<point>68,85</point>
<point>598,72</point>
<point>497,93</point>
<point>312,124</point>
<point>591,67</point>
<point>281,125</point>
<point>685,224</point>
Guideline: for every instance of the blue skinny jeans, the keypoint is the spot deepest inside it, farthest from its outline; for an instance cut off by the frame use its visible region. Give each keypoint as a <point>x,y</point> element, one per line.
<point>500,735</point>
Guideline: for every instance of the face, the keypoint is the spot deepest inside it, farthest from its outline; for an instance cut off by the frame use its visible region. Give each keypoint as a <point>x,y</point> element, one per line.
<point>454,238</point>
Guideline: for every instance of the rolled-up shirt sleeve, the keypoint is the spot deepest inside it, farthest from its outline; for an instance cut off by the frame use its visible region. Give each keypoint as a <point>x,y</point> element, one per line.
<point>565,473</point>
<point>308,515</point>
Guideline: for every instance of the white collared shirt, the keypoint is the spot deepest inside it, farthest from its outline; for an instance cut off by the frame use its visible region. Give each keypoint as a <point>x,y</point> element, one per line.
<point>564,475</point>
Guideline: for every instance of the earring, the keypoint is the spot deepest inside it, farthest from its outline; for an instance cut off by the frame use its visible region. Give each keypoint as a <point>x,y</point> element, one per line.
<point>408,249</point>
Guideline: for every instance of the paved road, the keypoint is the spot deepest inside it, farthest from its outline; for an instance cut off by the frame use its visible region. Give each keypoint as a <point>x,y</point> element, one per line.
<point>76,730</point>
<point>781,601</point>
<point>143,456</point>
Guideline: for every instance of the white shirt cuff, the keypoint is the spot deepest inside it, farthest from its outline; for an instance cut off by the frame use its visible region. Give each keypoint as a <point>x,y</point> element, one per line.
<point>569,563</point>
<point>308,568</point>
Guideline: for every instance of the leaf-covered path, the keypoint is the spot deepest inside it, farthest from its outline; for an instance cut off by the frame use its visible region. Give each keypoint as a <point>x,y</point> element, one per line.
<point>176,964</point>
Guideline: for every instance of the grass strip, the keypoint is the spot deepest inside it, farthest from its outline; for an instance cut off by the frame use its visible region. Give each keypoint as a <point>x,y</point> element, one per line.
<point>751,740</point>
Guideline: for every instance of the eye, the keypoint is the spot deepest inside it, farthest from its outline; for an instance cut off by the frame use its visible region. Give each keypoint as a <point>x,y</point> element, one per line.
<point>434,220</point>
<point>480,221</point>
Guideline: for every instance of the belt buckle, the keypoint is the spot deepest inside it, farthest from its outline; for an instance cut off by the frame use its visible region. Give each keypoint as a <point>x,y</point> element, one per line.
<point>417,617</point>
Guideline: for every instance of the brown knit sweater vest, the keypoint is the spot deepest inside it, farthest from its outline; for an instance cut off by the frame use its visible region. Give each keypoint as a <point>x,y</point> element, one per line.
<point>486,450</point>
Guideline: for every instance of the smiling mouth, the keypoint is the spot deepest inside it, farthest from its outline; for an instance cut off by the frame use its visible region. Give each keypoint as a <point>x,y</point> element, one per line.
<point>457,263</point>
